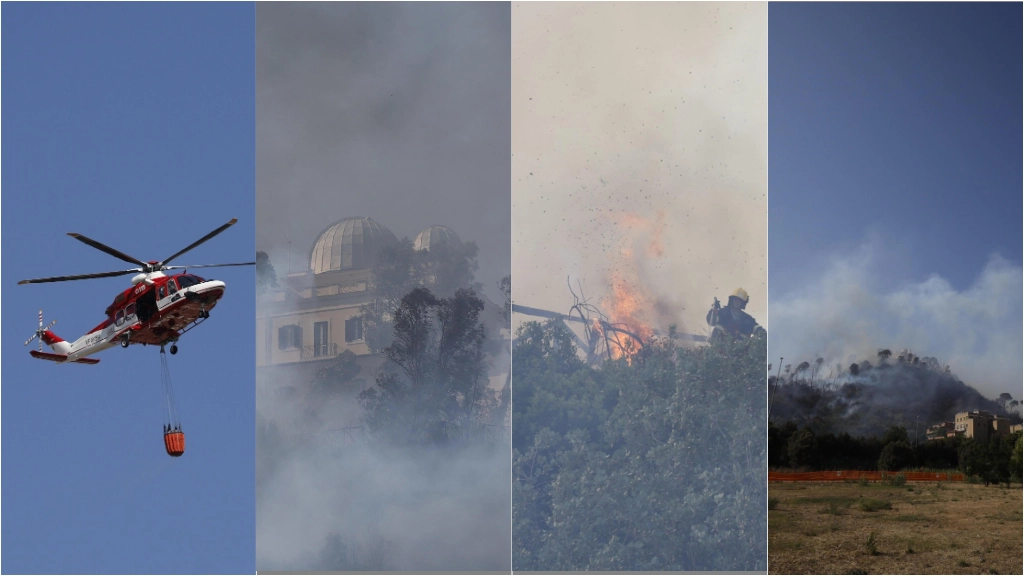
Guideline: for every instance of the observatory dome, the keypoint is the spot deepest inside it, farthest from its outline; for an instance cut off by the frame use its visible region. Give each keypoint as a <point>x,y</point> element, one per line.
<point>349,244</point>
<point>435,236</point>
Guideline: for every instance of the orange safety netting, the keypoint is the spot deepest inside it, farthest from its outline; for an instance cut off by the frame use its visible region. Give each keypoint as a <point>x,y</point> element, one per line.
<point>854,475</point>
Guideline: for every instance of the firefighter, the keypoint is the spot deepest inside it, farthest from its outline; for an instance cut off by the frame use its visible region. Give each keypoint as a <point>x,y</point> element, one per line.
<point>732,320</point>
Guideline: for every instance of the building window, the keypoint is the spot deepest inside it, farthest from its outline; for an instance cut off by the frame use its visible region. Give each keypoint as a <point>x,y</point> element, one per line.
<point>354,329</point>
<point>289,337</point>
<point>320,340</point>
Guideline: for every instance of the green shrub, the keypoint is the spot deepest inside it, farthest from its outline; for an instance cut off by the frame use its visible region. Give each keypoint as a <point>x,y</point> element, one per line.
<point>834,507</point>
<point>874,505</point>
<point>898,479</point>
<point>872,545</point>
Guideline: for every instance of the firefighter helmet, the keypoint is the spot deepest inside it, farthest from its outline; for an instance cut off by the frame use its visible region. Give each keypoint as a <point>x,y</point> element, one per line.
<point>741,294</point>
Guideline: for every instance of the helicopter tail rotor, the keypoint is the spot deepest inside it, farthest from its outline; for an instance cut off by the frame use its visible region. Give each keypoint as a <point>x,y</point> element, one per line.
<point>40,331</point>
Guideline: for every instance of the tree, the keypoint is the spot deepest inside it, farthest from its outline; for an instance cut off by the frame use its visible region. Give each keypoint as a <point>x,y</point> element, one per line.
<point>451,267</point>
<point>817,367</point>
<point>397,273</point>
<point>973,458</point>
<point>266,277</point>
<point>1016,459</point>
<point>802,367</point>
<point>400,268</point>
<point>334,556</point>
<point>368,554</point>
<point>339,372</point>
<point>650,465</point>
<point>505,397</point>
<point>854,369</point>
<point>506,291</point>
<point>434,384</point>
<point>896,456</point>
<point>802,448</point>
<point>895,434</point>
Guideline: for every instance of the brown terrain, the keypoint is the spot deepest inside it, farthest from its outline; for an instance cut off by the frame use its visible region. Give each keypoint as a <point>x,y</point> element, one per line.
<point>919,528</point>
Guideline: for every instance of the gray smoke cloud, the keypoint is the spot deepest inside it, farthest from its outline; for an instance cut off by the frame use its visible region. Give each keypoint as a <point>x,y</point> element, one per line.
<point>849,311</point>
<point>422,510</point>
<point>639,140</point>
<point>397,111</point>
<point>400,112</point>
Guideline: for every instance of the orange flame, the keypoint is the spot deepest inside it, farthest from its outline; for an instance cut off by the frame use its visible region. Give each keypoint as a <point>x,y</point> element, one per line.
<point>629,302</point>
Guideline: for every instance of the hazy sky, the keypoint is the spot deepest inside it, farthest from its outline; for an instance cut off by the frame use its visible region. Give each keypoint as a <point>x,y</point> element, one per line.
<point>131,124</point>
<point>639,150</point>
<point>399,112</point>
<point>895,184</point>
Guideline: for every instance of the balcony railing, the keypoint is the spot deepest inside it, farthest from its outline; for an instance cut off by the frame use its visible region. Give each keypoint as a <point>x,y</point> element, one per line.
<point>311,352</point>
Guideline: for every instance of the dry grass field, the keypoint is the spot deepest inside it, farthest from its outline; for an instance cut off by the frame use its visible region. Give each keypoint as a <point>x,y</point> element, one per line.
<point>920,528</point>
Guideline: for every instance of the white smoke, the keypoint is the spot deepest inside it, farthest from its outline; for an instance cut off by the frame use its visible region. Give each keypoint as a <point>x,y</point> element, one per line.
<point>655,110</point>
<point>846,313</point>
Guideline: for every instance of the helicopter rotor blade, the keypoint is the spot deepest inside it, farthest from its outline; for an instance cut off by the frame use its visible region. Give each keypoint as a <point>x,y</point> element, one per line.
<point>201,240</point>
<point>104,248</point>
<point>29,341</point>
<point>80,276</point>
<point>209,265</point>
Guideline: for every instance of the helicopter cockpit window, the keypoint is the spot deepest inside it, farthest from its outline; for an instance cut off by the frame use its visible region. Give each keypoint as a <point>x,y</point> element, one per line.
<point>171,288</point>
<point>120,317</point>
<point>186,281</point>
<point>130,310</point>
<point>161,292</point>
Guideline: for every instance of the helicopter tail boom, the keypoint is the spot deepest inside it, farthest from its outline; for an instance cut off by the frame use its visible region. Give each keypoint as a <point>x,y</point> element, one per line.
<point>56,343</point>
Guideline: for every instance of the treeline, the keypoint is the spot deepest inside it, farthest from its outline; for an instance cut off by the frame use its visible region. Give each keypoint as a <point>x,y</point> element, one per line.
<point>865,399</point>
<point>792,447</point>
<point>652,463</point>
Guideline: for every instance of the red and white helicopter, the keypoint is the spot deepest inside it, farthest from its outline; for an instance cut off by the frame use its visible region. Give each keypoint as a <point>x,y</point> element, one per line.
<point>158,308</point>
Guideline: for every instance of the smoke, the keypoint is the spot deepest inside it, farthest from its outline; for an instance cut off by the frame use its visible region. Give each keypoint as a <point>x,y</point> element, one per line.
<point>427,510</point>
<point>442,508</point>
<point>847,314</point>
<point>397,111</point>
<point>400,112</point>
<point>639,136</point>
<point>893,394</point>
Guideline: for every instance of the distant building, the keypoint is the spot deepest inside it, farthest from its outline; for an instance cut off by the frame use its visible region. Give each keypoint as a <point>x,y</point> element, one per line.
<point>943,430</point>
<point>981,425</point>
<point>1016,428</point>
<point>314,314</point>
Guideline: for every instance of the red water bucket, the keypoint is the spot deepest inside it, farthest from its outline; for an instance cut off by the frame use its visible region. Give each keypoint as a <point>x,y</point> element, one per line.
<point>175,443</point>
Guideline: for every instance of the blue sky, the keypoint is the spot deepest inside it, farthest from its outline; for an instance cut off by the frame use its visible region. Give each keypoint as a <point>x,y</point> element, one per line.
<point>901,121</point>
<point>894,185</point>
<point>132,124</point>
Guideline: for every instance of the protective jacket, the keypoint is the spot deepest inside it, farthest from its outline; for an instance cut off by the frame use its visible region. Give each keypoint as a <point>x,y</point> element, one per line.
<point>733,321</point>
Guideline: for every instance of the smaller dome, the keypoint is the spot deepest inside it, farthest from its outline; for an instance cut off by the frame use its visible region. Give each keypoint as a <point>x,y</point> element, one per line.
<point>435,236</point>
